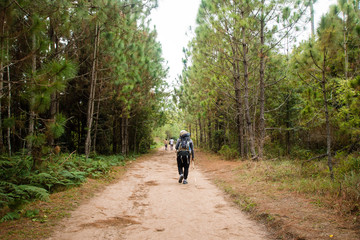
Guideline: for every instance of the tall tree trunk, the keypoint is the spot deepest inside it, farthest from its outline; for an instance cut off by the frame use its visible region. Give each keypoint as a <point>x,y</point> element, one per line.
<point>205,135</point>
<point>1,97</point>
<point>9,111</point>
<point>127,136</point>
<point>135,132</point>
<point>9,101</point>
<point>239,119</point>
<point>32,112</point>
<point>209,134</point>
<point>196,133</point>
<point>238,100</point>
<point>96,124</point>
<point>124,134</point>
<point>327,118</point>
<point>345,46</point>
<point>262,84</point>
<point>115,134</point>
<point>53,112</point>
<point>54,96</point>
<point>201,133</point>
<point>288,143</point>
<point>246,97</point>
<point>91,102</point>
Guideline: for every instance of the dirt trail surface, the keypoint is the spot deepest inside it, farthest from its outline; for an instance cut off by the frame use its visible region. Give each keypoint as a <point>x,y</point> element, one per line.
<point>149,203</point>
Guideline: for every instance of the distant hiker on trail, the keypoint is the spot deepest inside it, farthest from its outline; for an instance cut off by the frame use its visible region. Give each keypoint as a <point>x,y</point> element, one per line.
<point>184,147</point>
<point>165,143</point>
<point>171,142</point>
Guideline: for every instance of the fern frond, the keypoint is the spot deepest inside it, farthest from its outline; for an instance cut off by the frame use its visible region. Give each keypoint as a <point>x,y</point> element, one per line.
<point>10,216</point>
<point>32,191</point>
<point>43,178</point>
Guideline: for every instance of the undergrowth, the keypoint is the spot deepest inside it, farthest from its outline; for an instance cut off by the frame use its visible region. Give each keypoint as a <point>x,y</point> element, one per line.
<point>312,178</point>
<point>228,152</point>
<point>19,184</point>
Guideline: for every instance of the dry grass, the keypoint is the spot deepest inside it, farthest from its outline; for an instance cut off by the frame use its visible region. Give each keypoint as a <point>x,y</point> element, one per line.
<point>292,206</point>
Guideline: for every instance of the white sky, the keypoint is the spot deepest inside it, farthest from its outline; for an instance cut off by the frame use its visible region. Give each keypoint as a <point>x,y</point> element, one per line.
<point>173,19</point>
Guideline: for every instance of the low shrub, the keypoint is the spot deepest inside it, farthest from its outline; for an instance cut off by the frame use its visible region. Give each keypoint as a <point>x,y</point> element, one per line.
<point>228,152</point>
<point>19,184</point>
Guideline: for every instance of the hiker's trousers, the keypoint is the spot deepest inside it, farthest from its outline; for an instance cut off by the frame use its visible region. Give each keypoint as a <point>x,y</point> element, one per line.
<point>183,162</point>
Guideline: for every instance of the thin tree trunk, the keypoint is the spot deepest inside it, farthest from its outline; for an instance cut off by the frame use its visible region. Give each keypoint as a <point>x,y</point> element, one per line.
<point>201,132</point>
<point>246,96</point>
<point>9,102</point>
<point>96,124</point>
<point>327,118</point>
<point>124,134</point>
<point>345,46</point>
<point>209,134</point>
<point>205,135</point>
<point>288,143</point>
<point>2,79</point>
<point>196,133</point>
<point>115,134</point>
<point>239,119</point>
<point>90,111</point>
<point>32,112</point>
<point>135,143</point>
<point>238,99</point>
<point>127,135</point>
<point>54,95</point>
<point>1,97</point>
<point>262,84</point>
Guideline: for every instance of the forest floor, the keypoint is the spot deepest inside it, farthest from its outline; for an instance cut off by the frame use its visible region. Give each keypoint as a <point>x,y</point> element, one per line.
<point>145,201</point>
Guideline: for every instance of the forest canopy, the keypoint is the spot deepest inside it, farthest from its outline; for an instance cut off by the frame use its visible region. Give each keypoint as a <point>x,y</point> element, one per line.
<point>84,76</point>
<point>251,91</point>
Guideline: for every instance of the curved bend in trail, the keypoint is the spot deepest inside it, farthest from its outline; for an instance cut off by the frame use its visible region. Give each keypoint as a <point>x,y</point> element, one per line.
<point>149,203</point>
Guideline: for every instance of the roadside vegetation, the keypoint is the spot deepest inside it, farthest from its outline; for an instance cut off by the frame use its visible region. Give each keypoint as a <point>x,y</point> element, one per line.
<point>250,90</point>
<point>36,219</point>
<point>81,89</point>
<point>288,197</point>
<point>20,185</point>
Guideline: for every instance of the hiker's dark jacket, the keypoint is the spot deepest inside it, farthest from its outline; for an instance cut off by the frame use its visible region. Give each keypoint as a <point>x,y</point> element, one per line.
<point>191,144</point>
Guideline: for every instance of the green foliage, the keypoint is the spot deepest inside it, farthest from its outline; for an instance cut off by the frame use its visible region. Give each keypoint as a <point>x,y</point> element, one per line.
<point>10,216</point>
<point>52,64</point>
<point>347,164</point>
<point>228,153</point>
<point>31,213</point>
<point>144,145</point>
<point>9,122</point>
<point>20,185</point>
<point>57,128</point>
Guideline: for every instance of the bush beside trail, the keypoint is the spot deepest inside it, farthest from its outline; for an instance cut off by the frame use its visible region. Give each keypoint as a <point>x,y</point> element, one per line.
<point>20,184</point>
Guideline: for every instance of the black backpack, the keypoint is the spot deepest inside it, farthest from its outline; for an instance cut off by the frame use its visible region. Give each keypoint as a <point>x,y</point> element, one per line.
<point>184,144</point>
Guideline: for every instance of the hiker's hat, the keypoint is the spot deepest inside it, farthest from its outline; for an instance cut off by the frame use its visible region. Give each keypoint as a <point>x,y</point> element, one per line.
<point>183,132</point>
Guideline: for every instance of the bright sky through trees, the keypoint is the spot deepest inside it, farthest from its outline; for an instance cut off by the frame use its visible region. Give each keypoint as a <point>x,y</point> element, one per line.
<point>173,18</point>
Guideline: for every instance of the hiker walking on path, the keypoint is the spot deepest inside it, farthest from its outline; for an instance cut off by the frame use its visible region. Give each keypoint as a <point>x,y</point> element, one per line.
<point>171,143</point>
<point>165,143</point>
<point>184,147</point>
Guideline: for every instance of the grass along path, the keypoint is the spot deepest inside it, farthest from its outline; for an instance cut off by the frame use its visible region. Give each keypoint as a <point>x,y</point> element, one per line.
<point>255,187</point>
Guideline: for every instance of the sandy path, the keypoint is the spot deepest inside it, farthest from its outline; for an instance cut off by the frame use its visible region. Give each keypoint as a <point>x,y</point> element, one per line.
<point>149,203</point>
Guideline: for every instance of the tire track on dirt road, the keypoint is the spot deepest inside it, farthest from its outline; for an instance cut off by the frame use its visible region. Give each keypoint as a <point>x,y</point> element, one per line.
<point>149,203</point>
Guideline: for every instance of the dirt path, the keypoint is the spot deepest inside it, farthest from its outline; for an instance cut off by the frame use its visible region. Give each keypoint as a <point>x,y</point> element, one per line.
<point>149,203</point>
